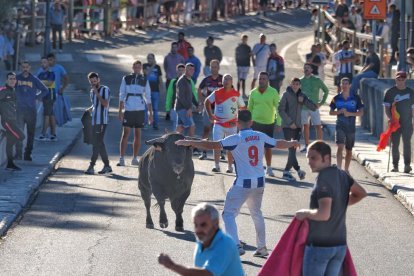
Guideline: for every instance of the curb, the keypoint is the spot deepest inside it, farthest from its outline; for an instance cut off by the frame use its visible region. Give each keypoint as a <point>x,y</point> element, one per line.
<point>7,222</point>
<point>388,180</point>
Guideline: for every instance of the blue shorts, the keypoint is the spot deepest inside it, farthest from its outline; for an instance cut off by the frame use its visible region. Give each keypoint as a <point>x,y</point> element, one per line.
<point>183,119</point>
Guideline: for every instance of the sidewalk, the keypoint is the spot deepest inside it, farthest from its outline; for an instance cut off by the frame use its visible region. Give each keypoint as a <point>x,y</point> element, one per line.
<point>17,188</point>
<point>365,150</point>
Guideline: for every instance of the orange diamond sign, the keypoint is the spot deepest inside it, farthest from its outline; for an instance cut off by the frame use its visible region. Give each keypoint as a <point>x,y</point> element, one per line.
<point>375,9</point>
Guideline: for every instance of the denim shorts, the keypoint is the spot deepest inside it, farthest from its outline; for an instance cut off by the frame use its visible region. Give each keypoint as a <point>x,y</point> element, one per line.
<point>183,119</point>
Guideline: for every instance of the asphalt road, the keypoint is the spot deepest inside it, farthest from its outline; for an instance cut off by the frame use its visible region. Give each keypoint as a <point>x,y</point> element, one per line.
<point>95,225</point>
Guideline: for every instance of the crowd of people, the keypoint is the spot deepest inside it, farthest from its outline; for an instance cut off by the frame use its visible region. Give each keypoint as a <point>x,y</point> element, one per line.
<point>19,110</point>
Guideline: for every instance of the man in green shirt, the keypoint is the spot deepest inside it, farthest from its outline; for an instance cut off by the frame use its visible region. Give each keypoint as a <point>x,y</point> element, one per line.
<point>311,86</point>
<point>263,104</point>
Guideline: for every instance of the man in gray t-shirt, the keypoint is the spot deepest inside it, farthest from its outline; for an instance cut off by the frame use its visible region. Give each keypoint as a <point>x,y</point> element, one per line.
<point>403,97</point>
<point>183,102</point>
<point>334,191</point>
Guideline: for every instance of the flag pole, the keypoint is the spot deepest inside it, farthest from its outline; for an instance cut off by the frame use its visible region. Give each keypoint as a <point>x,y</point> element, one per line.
<point>389,156</point>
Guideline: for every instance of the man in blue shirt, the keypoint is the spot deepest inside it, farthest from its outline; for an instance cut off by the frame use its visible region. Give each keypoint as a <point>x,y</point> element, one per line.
<point>346,106</point>
<point>26,94</point>
<point>215,252</point>
<point>194,60</point>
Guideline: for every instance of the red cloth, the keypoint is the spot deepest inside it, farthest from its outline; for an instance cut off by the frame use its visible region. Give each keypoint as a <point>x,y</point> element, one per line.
<point>392,127</point>
<point>287,257</point>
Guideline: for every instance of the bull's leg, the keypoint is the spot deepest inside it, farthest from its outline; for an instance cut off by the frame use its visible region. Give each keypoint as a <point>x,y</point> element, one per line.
<point>163,215</point>
<point>146,196</point>
<point>178,205</point>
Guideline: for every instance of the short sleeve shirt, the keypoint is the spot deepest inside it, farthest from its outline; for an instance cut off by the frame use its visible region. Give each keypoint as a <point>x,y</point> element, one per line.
<point>404,101</point>
<point>335,184</point>
<point>247,148</point>
<point>227,104</point>
<point>352,104</point>
<point>60,72</point>
<point>153,77</point>
<point>261,53</point>
<point>220,258</point>
<point>316,59</point>
<point>376,61</point>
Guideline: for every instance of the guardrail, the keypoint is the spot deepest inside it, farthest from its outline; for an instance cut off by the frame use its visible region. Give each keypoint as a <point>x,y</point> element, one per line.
<point>358,41</point>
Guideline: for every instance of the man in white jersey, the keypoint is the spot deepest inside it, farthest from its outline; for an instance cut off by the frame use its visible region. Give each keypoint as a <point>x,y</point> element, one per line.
<point>247,148</point>
<point>227,102</point>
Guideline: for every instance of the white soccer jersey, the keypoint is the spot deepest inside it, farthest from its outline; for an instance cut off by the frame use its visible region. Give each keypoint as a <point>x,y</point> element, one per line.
<point>247,148</point>
<point>227,104</point>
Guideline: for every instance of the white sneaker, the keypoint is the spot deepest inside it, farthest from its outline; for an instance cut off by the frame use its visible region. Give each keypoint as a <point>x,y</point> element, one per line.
<point>304,149</point>
<point>301,174</point>
<point>135,161</point>
<point>269,172</point>
<point>53,138</point>
<point>288,176</point>
<point>261,252</point>
<point>121,162</point>
<point>42,138</point>
<point>229,169</point>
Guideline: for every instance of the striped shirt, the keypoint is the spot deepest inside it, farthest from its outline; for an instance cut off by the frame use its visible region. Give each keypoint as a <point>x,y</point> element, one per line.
<point>247,148</point>
<point>345,68</point>
<point>99,112</point>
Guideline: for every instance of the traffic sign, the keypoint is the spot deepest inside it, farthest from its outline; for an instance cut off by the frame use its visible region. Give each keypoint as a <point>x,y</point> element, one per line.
<point>320,2</point>
<point>375,9</point>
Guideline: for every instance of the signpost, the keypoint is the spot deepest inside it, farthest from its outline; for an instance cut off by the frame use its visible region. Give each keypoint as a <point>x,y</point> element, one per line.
<point>375,10</point>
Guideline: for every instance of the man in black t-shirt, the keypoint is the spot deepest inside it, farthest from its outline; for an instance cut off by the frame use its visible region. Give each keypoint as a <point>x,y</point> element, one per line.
<point>403,97</point>
<point>334,190</point>
<point>207,86</point>
<point>314,60</point>
<point>371,69</point>
<point>243,53</point>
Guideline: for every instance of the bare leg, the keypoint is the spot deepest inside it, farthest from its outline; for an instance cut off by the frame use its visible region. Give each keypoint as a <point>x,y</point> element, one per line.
<point>52,125</point>
<point>45,124</point>
<point>348,158</point>
<point>319,132</point>
<point>339,155</point>
<point>137,142</point>
<point>268,157</point>
<point>124,140</point>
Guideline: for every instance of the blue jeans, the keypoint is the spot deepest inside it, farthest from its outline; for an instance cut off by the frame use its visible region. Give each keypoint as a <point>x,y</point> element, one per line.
<point>357,79</point>
<point>155,100</point>
<point>323,261</point>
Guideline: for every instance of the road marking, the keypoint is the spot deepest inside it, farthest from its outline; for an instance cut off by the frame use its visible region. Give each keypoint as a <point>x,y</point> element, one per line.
<point>32,57</point>
<point>94,58</point>
<point>286,48</point>
<point>125,59</point>
<point>64,57</point>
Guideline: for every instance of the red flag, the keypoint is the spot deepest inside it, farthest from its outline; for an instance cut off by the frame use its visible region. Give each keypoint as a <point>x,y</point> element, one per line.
<point>392,127</point>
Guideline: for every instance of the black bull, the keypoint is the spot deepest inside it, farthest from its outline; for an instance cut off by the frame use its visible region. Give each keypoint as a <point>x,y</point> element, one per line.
<point>167,171</point>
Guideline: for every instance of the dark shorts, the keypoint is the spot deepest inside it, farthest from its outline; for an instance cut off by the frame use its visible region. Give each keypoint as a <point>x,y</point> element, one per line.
<point>140,12</point>
<point>266,129</point>
<point>263,3</point>
<point>48,107</point>
<point>345,137</point>
<point>169,5</point>
<point>134,119</point>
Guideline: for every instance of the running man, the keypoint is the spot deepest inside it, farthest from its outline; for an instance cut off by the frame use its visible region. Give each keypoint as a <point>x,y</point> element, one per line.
<point>247,147</point>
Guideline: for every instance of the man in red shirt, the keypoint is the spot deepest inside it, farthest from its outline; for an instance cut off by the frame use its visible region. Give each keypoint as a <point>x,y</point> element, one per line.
<point>183,45</point>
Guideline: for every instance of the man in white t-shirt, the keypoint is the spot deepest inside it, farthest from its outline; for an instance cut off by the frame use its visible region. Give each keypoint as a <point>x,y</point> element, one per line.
<point>260,55</point>
<point>247,148</point>
<point>227,102</point>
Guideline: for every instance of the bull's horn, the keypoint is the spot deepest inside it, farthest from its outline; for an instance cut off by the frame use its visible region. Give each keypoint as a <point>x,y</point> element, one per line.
<point>159,140</point>
<point>192,138</point>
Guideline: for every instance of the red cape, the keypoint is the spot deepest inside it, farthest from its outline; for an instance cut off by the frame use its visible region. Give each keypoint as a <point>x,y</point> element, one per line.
<point>287,257</point>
